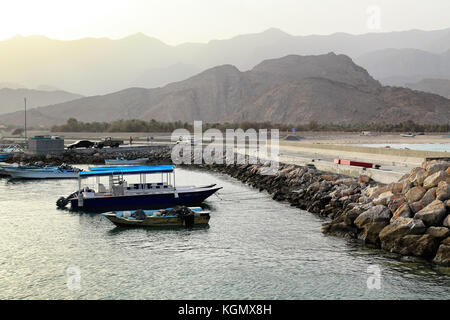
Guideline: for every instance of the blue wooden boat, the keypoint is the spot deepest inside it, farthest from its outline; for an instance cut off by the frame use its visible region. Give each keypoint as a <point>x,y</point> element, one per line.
<point>119,195</point>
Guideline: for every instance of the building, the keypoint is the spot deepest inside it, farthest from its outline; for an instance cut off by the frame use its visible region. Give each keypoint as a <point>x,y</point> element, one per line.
<point>43,145</point>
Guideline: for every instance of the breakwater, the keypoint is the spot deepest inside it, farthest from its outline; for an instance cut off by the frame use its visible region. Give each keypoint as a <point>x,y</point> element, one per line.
<point>408,217</point>
<point>156,154</point>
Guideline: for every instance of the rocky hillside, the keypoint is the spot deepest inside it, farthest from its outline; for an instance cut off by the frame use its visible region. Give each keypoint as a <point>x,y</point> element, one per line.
<point>12,99</point>
<point>295,89</point>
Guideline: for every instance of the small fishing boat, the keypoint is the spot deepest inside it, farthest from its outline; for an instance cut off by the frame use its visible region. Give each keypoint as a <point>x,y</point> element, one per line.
<point>49,172</point>
<point>7,151</point>
<point>176,217</point>
<point>125,162</point>
<point>120,195</point>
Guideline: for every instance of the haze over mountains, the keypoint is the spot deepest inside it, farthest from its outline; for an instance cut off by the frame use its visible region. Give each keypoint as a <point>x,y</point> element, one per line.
<point>98,66</point>
<point>294,89</point>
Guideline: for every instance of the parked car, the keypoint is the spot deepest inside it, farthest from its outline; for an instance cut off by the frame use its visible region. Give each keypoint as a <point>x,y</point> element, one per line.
<point>81,144</point>
<point>108,142</point>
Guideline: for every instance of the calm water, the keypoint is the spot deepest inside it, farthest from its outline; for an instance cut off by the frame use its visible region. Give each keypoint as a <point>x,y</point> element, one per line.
<point>255,248</point>
<point>442,147</point>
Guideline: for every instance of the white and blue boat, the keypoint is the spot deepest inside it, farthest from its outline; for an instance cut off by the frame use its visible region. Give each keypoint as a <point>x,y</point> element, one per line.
<point>120,195</point>
<point>48,172</point>
<point>7,151</point>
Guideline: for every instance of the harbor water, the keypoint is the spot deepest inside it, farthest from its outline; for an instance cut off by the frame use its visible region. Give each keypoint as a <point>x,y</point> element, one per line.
<point>254,248</point>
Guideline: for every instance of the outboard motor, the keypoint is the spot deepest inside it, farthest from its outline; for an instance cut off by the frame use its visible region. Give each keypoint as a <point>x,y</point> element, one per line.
<point>62,202</point>
<point>185,214</point>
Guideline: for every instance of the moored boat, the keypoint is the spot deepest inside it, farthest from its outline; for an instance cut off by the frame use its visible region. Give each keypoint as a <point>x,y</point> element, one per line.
<point>7,151</point>
<point>122,161</point>
<point>119,195</point>
<point>49,172</point>
<point>176,217</point>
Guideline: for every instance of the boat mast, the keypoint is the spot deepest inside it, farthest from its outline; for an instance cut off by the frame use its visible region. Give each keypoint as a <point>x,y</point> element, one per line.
<point>25,132</point>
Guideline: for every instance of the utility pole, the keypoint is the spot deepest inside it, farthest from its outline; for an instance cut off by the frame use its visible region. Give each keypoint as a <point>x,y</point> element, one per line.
<point>25,100</point>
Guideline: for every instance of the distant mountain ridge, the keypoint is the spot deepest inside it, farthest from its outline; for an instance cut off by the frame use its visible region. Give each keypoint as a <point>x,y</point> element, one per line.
<point>294,89</point>
<point>401,66</point>
<point>436,86</point>
<point>99,66</point>
<point>13,99</point>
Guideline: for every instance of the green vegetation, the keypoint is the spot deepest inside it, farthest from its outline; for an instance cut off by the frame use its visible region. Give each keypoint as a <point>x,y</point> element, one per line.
<point>74,125</point>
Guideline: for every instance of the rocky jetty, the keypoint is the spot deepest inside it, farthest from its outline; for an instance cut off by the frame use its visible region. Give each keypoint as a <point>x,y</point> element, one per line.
<point>408,217</point>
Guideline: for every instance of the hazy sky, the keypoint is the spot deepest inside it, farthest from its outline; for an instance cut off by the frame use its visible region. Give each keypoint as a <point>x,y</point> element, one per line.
<point>178,21</point>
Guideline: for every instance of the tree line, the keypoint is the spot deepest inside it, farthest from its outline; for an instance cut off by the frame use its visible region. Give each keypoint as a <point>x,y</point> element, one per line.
<point>73,125</point>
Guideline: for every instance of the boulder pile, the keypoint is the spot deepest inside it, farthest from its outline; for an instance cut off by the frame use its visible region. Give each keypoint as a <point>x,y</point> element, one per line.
<point>155,154</point>
<point>408,217</point>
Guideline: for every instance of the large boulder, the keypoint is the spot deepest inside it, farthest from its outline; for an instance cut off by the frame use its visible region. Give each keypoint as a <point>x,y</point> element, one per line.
<point>443,254</point>
<point>424,246</point>
<point>433,214</point>
<point>446,222</point>
<point>438,232</point>
<point>383,198</point>
<point>340,229</point>
<point>398,229</point>
<point>402,212</point>
<point>415,194</point>
<point>396,202</point>
<point>443,191</point>
<point>434,179</point>
<point>416,206</point>
<point>372,222</point>
<point>377,213</point>
<point>434,167</point>
<point>395,187</point>
<point>429,197</point>
<point>417,176</point>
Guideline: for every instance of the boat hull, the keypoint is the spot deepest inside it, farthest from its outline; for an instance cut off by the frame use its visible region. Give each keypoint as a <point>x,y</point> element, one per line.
<point>145,201</point>
<point>40,174</point>
<point>126,162</point>
<point>157,222</point>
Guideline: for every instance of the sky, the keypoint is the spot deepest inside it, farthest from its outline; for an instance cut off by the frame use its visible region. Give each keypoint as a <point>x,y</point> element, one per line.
<point>180,21</point>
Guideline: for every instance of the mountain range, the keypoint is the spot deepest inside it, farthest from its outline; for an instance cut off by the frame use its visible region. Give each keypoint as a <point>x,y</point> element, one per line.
<point>95,66</point>
<point>294,89</point>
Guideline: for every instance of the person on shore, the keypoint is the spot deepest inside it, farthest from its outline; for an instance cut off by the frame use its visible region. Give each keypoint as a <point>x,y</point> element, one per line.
<point>131,141</point>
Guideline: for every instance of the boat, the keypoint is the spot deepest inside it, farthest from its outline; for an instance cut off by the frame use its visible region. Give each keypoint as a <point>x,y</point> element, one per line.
<point>7,151</point>
<point>176,217</point>
<point>125,162</point>
<point>49,172</point>
<point>120,195</point>
<point>408,135</point>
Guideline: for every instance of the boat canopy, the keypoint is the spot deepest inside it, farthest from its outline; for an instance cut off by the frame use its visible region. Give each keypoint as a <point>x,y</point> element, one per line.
<point>109,171</point>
